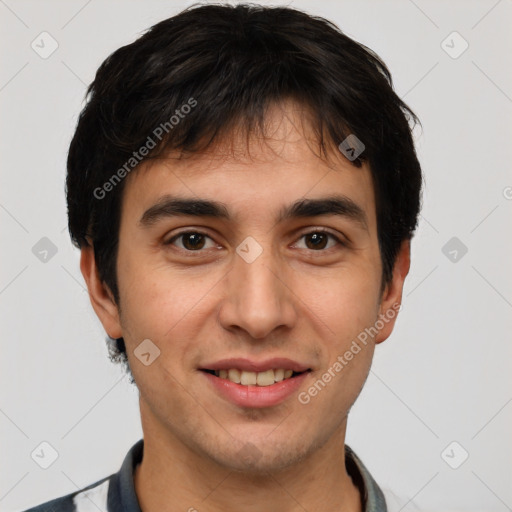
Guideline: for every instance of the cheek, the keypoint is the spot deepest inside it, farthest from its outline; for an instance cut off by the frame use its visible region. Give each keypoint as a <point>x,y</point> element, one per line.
<point>167,314</point>
<point>168,307</point>
<point>347,306</point>
<point>347,301</point>
<point>348,351</point>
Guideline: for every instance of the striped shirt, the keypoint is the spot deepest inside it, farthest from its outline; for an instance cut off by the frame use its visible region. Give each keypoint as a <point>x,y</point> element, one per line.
<point>116,493</point>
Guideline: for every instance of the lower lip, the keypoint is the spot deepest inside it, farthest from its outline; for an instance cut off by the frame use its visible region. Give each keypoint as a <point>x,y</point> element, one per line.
<point>256,396</point>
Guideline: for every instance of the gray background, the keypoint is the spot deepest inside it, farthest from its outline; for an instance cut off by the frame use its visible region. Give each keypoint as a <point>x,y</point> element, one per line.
<point>445,373</point>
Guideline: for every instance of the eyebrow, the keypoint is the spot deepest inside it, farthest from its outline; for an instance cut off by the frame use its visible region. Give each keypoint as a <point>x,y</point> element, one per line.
<point>171,206</point>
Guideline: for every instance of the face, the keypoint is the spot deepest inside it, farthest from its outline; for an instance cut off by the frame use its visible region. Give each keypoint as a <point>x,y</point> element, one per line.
<point>250,283</point>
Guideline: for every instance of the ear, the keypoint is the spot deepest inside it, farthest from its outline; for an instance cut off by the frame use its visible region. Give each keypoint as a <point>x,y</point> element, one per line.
<point>100,295</point>
<point>392,295</point>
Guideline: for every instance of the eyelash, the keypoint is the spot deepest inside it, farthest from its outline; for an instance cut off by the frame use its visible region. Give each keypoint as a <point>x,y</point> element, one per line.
<point>314,231</point>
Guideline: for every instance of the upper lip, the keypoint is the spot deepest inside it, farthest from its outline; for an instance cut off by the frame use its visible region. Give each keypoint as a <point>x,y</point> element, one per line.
<point>249,365</point>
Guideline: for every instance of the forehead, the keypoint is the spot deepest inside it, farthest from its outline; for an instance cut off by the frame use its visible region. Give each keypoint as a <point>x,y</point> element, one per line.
<point>272,170</point>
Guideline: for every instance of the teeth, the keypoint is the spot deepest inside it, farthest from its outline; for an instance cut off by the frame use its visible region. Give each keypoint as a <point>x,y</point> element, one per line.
<point>248,378</point>
<point>234,376</point>
<point>266,378</point>
<point>279,375</point>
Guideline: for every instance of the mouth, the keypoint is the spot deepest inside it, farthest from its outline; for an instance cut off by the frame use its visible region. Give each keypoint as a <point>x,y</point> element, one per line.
<point>249,383</point>
<point>251,389</point>
<point>253,378</point>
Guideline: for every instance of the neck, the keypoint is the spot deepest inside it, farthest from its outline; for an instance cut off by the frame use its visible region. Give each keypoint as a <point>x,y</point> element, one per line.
<point>172,473</point>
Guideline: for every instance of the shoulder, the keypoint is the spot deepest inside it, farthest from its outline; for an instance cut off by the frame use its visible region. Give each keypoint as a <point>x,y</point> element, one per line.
<point>71,502</point>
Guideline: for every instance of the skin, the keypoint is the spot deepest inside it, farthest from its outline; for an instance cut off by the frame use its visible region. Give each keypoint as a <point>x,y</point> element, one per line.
<point>294,300</point>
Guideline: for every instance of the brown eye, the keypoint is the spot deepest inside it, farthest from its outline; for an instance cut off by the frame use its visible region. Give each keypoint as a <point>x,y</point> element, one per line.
<point>319,240</point>
<point>193,241</point>
<point>190,241</point>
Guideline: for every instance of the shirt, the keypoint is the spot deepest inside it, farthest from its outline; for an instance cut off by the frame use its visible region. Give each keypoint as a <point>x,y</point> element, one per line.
<point>116,493</point>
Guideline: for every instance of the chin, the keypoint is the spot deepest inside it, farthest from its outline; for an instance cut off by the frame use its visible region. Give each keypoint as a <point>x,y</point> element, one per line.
<point>258,458</point>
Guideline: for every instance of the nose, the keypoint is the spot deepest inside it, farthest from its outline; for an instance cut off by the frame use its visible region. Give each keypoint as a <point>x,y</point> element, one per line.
<point>257,298</point>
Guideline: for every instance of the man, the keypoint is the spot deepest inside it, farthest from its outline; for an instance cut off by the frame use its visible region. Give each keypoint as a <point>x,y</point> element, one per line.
<point>243,187</point>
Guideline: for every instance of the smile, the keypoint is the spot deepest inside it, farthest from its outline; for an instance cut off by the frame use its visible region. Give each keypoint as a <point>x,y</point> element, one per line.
<point>248,378</point>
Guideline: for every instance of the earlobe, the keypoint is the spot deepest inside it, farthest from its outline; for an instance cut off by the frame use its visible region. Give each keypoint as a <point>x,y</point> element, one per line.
<point>100,295</point>
<point>392,296</point>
